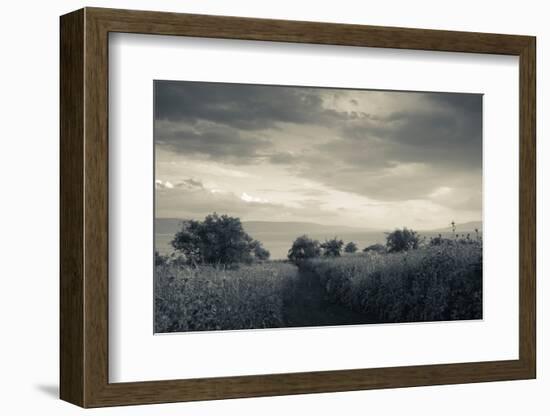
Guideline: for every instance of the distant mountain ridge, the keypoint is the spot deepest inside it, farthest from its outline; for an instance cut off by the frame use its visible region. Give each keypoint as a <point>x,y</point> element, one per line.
<point>461,228</point>
<point>303,227</point>
<point>172,225</point>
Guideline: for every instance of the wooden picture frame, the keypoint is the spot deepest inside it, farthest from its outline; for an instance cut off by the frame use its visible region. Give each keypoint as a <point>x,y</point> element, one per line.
<point>84,207</point>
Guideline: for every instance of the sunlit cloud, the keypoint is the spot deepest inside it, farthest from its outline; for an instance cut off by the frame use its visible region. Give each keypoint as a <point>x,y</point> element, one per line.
<point>249,198</point>
<point>159,184</point>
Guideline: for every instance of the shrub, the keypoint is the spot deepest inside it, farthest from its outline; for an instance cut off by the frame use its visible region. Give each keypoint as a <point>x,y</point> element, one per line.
<point>350,247</point>
<point>440,240</point>
<point>259,251</point>
<point>428,284</point>
<point>160,259</point>
<point>375,248</point>
<point>402,240</point>
<point>212,298</point>
<point>332,247</point>
<point>304,248</point>
<point>217,240</point>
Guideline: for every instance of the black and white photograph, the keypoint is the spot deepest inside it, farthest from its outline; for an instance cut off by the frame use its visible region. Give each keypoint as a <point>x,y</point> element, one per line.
<point>292,206</point>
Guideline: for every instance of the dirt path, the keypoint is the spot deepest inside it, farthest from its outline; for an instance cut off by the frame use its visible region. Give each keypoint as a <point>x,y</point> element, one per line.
<point>308,305</point>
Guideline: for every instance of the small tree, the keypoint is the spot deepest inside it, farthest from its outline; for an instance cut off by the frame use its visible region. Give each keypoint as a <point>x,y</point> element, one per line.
<point>217,240</point>
<point>375,248</point>
<point>402,240</point>
<point>332,247</point>
<point>351,247</point>
<point>304,248</point>
<point>259,251</point>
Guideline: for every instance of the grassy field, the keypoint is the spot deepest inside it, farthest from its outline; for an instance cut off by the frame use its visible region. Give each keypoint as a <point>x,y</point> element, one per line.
<point>431,283</point>
<point>428,284</point>
<point>213,298</point>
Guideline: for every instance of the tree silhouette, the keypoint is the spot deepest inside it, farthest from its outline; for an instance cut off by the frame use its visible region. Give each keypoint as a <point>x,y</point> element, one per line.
<point>304,248</point>
<point>375,248</point>
<point>332,247</point>
<point>217,240</point>
<point>402,240</point>
<point>351,247</point>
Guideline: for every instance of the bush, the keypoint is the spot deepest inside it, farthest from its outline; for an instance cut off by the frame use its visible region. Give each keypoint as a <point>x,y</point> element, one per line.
<point>259,251</point>
<point>207,298</point>
<point>304,248</point>
<point>457,239</point>
<point>332,247</point>
<point>375,248</point>
<point>160,259</point>
<point>428,284</point>
<point>402,240</point>
<point>217,240</point>
<point>351,247</point>
<point>440,240</point>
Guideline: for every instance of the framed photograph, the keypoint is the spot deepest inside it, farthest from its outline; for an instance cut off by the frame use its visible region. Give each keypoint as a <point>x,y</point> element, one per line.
<point>255,207</point>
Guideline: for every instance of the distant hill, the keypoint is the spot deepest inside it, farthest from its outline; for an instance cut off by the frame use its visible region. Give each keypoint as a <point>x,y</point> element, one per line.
<point>172,225</point>
<point>462,228</point>
<point>254,227</point>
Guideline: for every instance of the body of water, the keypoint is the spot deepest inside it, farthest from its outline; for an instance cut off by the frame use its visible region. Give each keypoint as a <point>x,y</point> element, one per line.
<point>278,243</point>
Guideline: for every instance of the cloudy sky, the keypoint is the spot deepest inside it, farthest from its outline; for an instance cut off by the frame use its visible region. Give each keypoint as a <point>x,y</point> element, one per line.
<point>376,159</point>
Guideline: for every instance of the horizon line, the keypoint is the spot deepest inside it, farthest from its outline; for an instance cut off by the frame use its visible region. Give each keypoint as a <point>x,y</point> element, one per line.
<point>339,225</point>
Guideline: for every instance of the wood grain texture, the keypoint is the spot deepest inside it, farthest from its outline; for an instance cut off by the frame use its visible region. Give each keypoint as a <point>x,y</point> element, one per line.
<point>71,208</point>
<point>84,207</point>
<point>528,208</point>
<point>96,208</point>
<point>227,27</point>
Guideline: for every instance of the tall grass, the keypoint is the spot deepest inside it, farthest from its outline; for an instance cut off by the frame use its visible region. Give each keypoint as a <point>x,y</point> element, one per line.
<point>209,298</point>
<point>428,284</point>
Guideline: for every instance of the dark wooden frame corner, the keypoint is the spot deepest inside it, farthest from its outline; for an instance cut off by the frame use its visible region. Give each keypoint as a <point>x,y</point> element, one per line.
<point>84,207</point>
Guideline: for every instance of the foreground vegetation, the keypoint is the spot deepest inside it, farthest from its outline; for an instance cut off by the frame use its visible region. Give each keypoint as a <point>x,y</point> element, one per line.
<point>220,278</point>
<point>430,283</point>
<point>208,297</point>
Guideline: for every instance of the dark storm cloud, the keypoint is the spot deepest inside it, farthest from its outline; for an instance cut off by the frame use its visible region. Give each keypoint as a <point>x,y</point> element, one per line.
<point>211,141</point>
<point>397,152</point>
<point>224,121</point>
<point>450,134</point>
<point>247,107</point>
<point>405,154</point>
<point>466,103</point>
